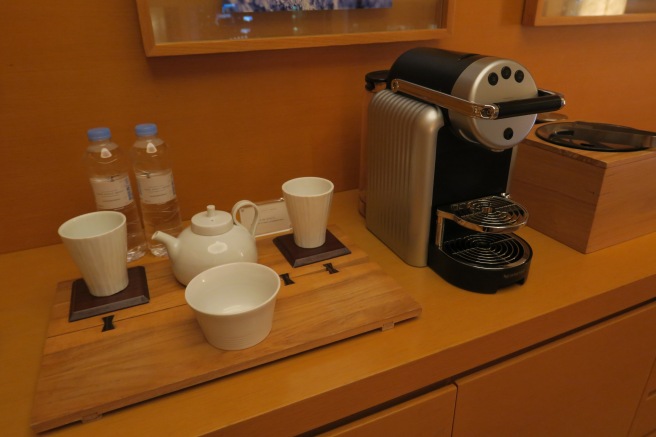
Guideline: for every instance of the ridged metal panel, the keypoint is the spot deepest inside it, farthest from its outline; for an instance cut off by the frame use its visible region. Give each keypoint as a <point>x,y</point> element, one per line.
<point>401,142</point>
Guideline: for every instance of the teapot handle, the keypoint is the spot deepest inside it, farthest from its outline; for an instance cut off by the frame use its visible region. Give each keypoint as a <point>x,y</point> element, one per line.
<point>256,217</point>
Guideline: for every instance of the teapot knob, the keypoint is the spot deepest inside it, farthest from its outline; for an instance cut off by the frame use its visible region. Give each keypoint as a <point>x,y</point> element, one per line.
<point>211,222</point>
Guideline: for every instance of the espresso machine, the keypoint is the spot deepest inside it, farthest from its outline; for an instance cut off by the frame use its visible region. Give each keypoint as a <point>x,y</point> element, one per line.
<point>440,150</point>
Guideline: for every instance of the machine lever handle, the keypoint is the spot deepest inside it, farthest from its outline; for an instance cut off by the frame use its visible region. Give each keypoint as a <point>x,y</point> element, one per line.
<point>546,101</point>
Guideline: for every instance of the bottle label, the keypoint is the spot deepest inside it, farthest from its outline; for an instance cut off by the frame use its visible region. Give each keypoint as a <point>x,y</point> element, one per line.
<point>112,193</point>
<point>155,189</point>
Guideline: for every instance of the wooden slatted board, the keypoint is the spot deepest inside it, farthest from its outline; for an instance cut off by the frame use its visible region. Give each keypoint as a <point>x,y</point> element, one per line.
<point>86,372</point>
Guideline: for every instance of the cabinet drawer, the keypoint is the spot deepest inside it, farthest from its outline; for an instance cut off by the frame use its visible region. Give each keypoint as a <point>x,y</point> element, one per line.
<point>429,415</point>
<point>589,383</point>
<point>645,420</point>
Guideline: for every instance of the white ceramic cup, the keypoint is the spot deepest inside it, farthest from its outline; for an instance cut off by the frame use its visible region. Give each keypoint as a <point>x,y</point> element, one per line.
<point>308,201</point>
<point>234,303</point>
<point>97,242</point>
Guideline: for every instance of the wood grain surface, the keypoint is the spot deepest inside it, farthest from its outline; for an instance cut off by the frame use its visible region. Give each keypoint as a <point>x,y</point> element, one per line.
<point>585,199</point>
<point>158,348</point>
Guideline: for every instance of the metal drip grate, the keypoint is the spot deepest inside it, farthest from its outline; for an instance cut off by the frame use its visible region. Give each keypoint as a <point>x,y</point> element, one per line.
<point>488,250</point>
<point>493,214</point>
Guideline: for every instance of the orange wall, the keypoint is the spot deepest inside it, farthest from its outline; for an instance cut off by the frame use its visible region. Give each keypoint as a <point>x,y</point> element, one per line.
<point>242,123</point>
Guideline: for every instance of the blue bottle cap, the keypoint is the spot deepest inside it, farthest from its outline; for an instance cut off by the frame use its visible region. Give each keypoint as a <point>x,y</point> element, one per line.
<point>146,129</point>
<point>99,134</point>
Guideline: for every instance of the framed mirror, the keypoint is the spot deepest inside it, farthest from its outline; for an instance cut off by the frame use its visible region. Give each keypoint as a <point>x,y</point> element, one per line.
<point>573,12</point>
<point>180,27</point>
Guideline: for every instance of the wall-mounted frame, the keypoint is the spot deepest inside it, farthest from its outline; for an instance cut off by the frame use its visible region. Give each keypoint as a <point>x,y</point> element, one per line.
<point>573,12</point>
<point>183,27</point>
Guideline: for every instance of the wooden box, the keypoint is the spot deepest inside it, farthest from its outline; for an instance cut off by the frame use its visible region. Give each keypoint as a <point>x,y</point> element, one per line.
<point>584,199</point>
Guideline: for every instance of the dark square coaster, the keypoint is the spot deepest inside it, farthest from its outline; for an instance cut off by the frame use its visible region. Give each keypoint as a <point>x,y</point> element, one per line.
<point>85,305</point>
<point>297,256</point>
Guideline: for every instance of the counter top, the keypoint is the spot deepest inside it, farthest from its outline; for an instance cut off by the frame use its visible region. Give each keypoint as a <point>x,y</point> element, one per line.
<point>457,332</point>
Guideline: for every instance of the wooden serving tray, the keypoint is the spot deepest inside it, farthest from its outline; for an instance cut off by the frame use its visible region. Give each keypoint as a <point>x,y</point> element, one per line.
<point>86,371</point>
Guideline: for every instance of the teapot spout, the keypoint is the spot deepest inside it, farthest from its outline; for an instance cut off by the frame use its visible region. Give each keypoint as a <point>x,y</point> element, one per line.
<point>172,244</point>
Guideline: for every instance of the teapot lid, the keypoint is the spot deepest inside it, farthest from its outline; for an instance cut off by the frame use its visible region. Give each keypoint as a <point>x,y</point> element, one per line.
<point>211,222</point>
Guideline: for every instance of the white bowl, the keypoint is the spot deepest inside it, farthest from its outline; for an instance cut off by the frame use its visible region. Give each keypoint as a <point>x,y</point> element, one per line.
<point>234,303</point>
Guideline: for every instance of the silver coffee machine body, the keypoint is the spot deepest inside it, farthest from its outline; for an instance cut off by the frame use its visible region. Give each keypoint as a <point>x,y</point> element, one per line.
<point>440,149</point>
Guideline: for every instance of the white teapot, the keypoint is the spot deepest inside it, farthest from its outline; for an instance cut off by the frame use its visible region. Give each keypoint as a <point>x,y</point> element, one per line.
<point>214,238</point>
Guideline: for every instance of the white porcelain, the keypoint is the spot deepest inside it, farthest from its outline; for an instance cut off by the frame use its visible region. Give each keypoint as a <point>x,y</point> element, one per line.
<point>308,201</point>
<point>234,303</point>
<point>214,238</point>
<point>97,242</point>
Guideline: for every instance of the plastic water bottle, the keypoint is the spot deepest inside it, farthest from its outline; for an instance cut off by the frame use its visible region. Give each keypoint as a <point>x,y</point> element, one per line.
<point>159,203</point>
<point>108,173</point>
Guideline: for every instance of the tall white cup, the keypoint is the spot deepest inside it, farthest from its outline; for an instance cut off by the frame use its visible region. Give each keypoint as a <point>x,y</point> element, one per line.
<point>308,201</point>
<point>97,242</point>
